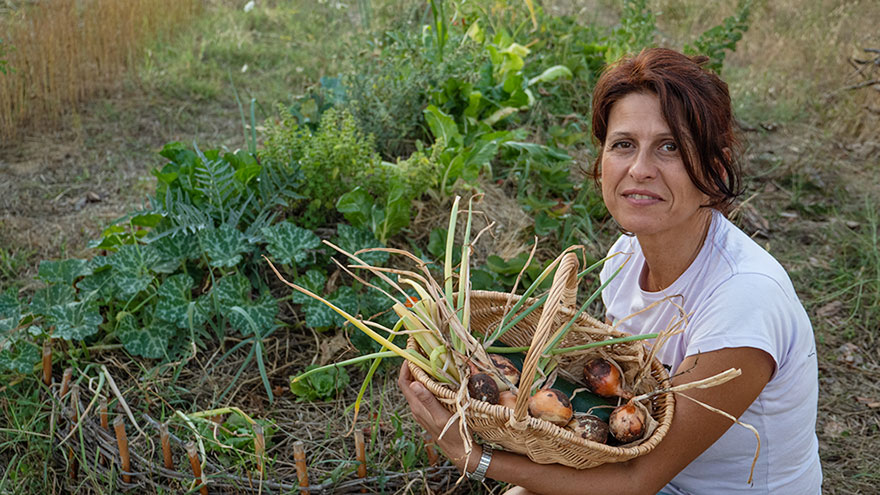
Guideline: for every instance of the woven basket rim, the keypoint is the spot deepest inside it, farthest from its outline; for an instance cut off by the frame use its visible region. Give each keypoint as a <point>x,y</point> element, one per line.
<point>619,453</point>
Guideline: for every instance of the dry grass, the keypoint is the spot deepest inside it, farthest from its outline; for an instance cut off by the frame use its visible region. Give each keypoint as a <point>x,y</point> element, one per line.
<point>60,52</point>
<point>795,61</point>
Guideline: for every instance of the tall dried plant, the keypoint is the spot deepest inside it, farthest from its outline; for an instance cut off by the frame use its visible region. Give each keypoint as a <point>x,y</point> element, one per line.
<point>58,53</point>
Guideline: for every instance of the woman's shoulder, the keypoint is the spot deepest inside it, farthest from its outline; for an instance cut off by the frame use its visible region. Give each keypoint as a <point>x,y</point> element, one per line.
<point>742,256</point>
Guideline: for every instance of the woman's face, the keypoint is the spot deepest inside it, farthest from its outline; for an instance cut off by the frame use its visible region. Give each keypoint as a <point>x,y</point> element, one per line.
<point>644,183</point>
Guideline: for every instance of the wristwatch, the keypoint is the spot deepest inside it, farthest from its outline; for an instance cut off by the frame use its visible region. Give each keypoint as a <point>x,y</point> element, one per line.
<point>479,474</point>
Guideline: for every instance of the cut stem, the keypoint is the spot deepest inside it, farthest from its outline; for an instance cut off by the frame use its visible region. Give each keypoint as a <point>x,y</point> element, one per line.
<point>302,472</point>
<point>259,446</point>
<point>166,446</point>
<point>361,453</point>
<point>65,381</point>
<point>74,403</point>
<point>102,411</point>
<point>193,453</point>
<point>122,443</point>
<point>433,457</point>
<point>47,361</point>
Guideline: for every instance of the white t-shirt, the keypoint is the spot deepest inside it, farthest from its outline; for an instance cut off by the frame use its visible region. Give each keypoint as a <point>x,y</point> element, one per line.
<point>737,295</point>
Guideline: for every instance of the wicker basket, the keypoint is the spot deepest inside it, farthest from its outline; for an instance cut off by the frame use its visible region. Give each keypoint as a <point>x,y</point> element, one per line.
<point>543,442</point>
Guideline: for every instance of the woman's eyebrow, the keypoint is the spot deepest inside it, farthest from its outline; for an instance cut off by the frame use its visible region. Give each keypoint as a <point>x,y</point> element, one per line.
<point>629,134</point>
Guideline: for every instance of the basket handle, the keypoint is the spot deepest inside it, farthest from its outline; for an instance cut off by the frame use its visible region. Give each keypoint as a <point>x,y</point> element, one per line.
<point>563,292</point>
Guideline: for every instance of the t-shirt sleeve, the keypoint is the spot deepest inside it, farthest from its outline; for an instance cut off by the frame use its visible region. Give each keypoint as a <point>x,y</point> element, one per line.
<point>610,266</point>
<point>748,310</point>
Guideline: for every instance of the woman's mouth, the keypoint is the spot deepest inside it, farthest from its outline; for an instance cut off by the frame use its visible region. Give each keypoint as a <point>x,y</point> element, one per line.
<point>641,196</point>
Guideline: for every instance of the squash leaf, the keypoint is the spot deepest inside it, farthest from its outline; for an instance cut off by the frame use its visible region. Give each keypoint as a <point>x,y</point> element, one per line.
<point>289,243</point>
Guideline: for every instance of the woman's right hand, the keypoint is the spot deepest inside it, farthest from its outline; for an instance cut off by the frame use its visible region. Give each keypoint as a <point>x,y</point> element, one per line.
<point>433,417</point>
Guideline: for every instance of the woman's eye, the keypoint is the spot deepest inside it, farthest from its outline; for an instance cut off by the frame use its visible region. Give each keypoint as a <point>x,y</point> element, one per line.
<point>620,144</point>
<point>670,147</point>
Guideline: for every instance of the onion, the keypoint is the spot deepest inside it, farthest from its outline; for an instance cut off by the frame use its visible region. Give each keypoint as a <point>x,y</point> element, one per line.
<point>628,422</point>
<point>605,379</point>
<point>506,367</point>
<point>507,399</point>
<point>551,405</point>
<point>589,427</point>
<point>482,387</point>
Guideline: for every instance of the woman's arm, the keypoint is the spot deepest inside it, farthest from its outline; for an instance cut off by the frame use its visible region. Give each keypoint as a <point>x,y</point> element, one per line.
<point>693,430</point>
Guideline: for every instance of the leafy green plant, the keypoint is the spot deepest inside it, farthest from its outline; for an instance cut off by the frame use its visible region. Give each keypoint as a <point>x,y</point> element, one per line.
<point>185,264</point>
<point>322,385</point>
<point>718,40</point>
<point>336,157</point>
<point>638,26</point>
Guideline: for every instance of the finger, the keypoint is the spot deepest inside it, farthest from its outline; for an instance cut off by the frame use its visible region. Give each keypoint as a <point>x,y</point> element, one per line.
<point>405,376</point>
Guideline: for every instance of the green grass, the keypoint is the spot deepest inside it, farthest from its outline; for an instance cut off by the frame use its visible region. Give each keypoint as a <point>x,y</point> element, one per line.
<point>270,53</point>
<point>14,263</point>
<point>25,445</point>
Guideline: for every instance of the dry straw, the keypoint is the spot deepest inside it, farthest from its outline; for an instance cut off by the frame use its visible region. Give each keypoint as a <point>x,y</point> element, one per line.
<point>60,52</point>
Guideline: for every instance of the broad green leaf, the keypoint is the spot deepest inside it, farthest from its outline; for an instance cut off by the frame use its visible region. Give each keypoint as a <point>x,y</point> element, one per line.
<point>64,271</point>
<point>131,266</point>
<point>175,249</point>
<point>174,296</point>
<point>235,290</point>
<point>9,303</point>
<point>513,83</point>
<point>289,243</point>
<point>20,357</point>
<point>356,206</point>
<point>538,151</point>
<point>443,126</point>
<point>352,239</point>
<point>515,49</point>
<point>225,246</point>
<point>10,311</point>
<point>231,290</point>
<point>319,315</point>
<point>262,313</point>
<point>111,237</point>
<point>75,321</point>
<point>147,341</point>
<point>313,280</point>
<point>48,297</point>
<point>146,219</point>
<point>551,74</point>
<point>98,286</point>
<point>396,215</point>
<point>545,224</point>
<point>246,166</point>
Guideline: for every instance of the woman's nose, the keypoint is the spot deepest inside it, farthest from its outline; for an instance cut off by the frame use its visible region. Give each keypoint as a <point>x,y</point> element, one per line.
<point>643,167</point>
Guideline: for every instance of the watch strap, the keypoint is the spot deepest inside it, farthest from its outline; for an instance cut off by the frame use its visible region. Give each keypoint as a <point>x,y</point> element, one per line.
<point>479,473</point>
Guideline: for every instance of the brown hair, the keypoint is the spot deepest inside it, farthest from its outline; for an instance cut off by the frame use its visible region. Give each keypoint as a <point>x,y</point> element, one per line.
<point>695,104</point>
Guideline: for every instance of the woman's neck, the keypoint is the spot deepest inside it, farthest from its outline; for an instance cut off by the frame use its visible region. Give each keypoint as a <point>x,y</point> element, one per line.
<point>668,255</point>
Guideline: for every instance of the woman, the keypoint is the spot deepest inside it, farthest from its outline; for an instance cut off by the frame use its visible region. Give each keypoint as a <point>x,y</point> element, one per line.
<point>668,173</point>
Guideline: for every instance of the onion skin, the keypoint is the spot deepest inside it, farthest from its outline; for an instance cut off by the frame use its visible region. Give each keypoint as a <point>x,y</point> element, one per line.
<point>507,399</point>
<point>551,405</point>
<point>604,379</point>
<point>627,423</point>
<point>482,387</point>
<point>589,427</point>
<point>506,367</point>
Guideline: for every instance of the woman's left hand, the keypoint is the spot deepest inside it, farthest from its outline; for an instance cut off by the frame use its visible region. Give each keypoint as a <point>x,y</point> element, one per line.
<point>431,414</point>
